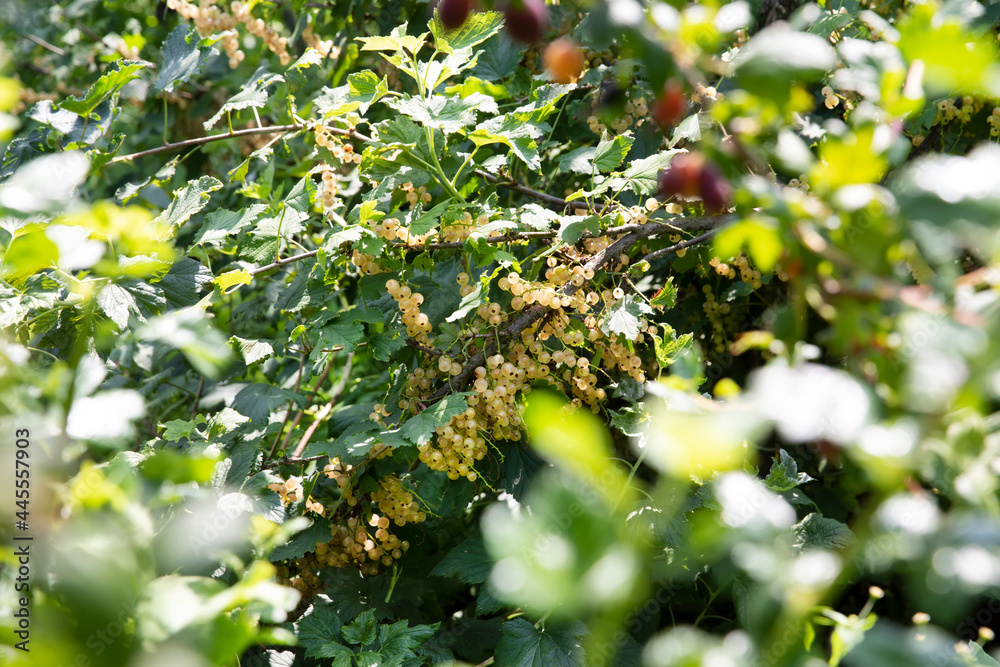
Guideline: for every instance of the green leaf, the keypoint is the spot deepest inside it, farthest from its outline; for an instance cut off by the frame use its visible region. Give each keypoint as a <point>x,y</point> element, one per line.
<point>383,345</point>
<point>611,153</point>
<point>516,130</point>
<point>524,645</point>
<point>76,128</point>
<point>29,253</point>
<point>574,227</point>
<point>397,39</point>
<point>181,58</point>
<point>189,200</point>
<point>303,543</point>
<point>468,561</point>
<point>295,72</point>
<point>118,303</point>
<point>688,129</point>
<point>398,642</point>
<point>419,428</point>
<point>239,173</point>
<point>470,302</point>
<point>816,532</point>
<point>478,27</point>
<point>781,55</point>
<point>980,657</point>
<point>448,114</point>
<point>473,84</point>
<point>252,351</point>
<point>666,297</point>
<point>230,281</point>
<point>347,334</point>
<point>517,469</point>
<point>319,633</point>
<point>184,281</point>
<point>500,57</point>
<point>271,234</point>
<point>362,630</point>
<point>302,195</point>
<point>366,88</point>
<point>111,82</point>
<point>957,60</point>
<point>855,158</point>
<point>622,317</point>
<point>191,332</point>
<point>221,224</point>
<point>226,421</point>
<point>580,161</point>
<point>253,93</point>
<point>670,347</point>
<point>784,474</point>
<point>427,221</point>
<point>258,400</point>
<point>641,176</point>
<point>758,234</point>
<point>629,420</point>
<point>488,603</point>
<point>175,429</point>
<point>178,467</point>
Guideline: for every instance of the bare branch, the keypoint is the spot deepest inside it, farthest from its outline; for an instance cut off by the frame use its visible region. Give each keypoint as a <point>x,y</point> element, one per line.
<point>656,254</point>
<point>325,411</point>
<point>282,262</point>
<point>47,46</point>
<point>523,189</point>
<point>189,143</point>
<point>598,261</point>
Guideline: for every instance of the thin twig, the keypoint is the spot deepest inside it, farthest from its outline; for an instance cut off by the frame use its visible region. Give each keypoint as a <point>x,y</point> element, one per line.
<point>47,46</point>
<point>282,262</point>
<point>325,411</point>
<point>291,459</point>
<point>656,254</point>
<point>316,387</point>
<point>423,348</point>
<point>523,189</point>
<point>188,143</point>
<point>288,412</point>
<point>654,228</point>
<point>197,397</point>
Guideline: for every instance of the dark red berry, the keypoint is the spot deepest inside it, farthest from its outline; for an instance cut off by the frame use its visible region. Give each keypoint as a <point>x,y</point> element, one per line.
<point>713,188</point>
<point>681,178</point>
<point>527,20</point>
<point>690,176</point>
<point>453,13</point>
<point>669,107</point>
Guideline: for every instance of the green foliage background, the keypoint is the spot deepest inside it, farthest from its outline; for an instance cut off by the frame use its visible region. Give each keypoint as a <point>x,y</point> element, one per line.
<point>206,224</point>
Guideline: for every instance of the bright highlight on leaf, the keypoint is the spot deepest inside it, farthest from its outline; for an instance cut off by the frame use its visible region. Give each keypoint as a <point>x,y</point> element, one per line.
<point>576,441</point>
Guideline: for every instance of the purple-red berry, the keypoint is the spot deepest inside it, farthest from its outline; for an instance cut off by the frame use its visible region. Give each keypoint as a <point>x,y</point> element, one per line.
<point>714,189</point>
<point>691,176</point>
<point>453,13</point>
<point>669,107</point>
<point>527,20</point>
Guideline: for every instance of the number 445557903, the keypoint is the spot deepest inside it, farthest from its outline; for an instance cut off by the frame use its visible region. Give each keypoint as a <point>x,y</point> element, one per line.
<point>22,472</point>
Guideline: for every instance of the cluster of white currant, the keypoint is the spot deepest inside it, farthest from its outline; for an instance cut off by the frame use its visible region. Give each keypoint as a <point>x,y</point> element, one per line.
<point>210,18</point>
